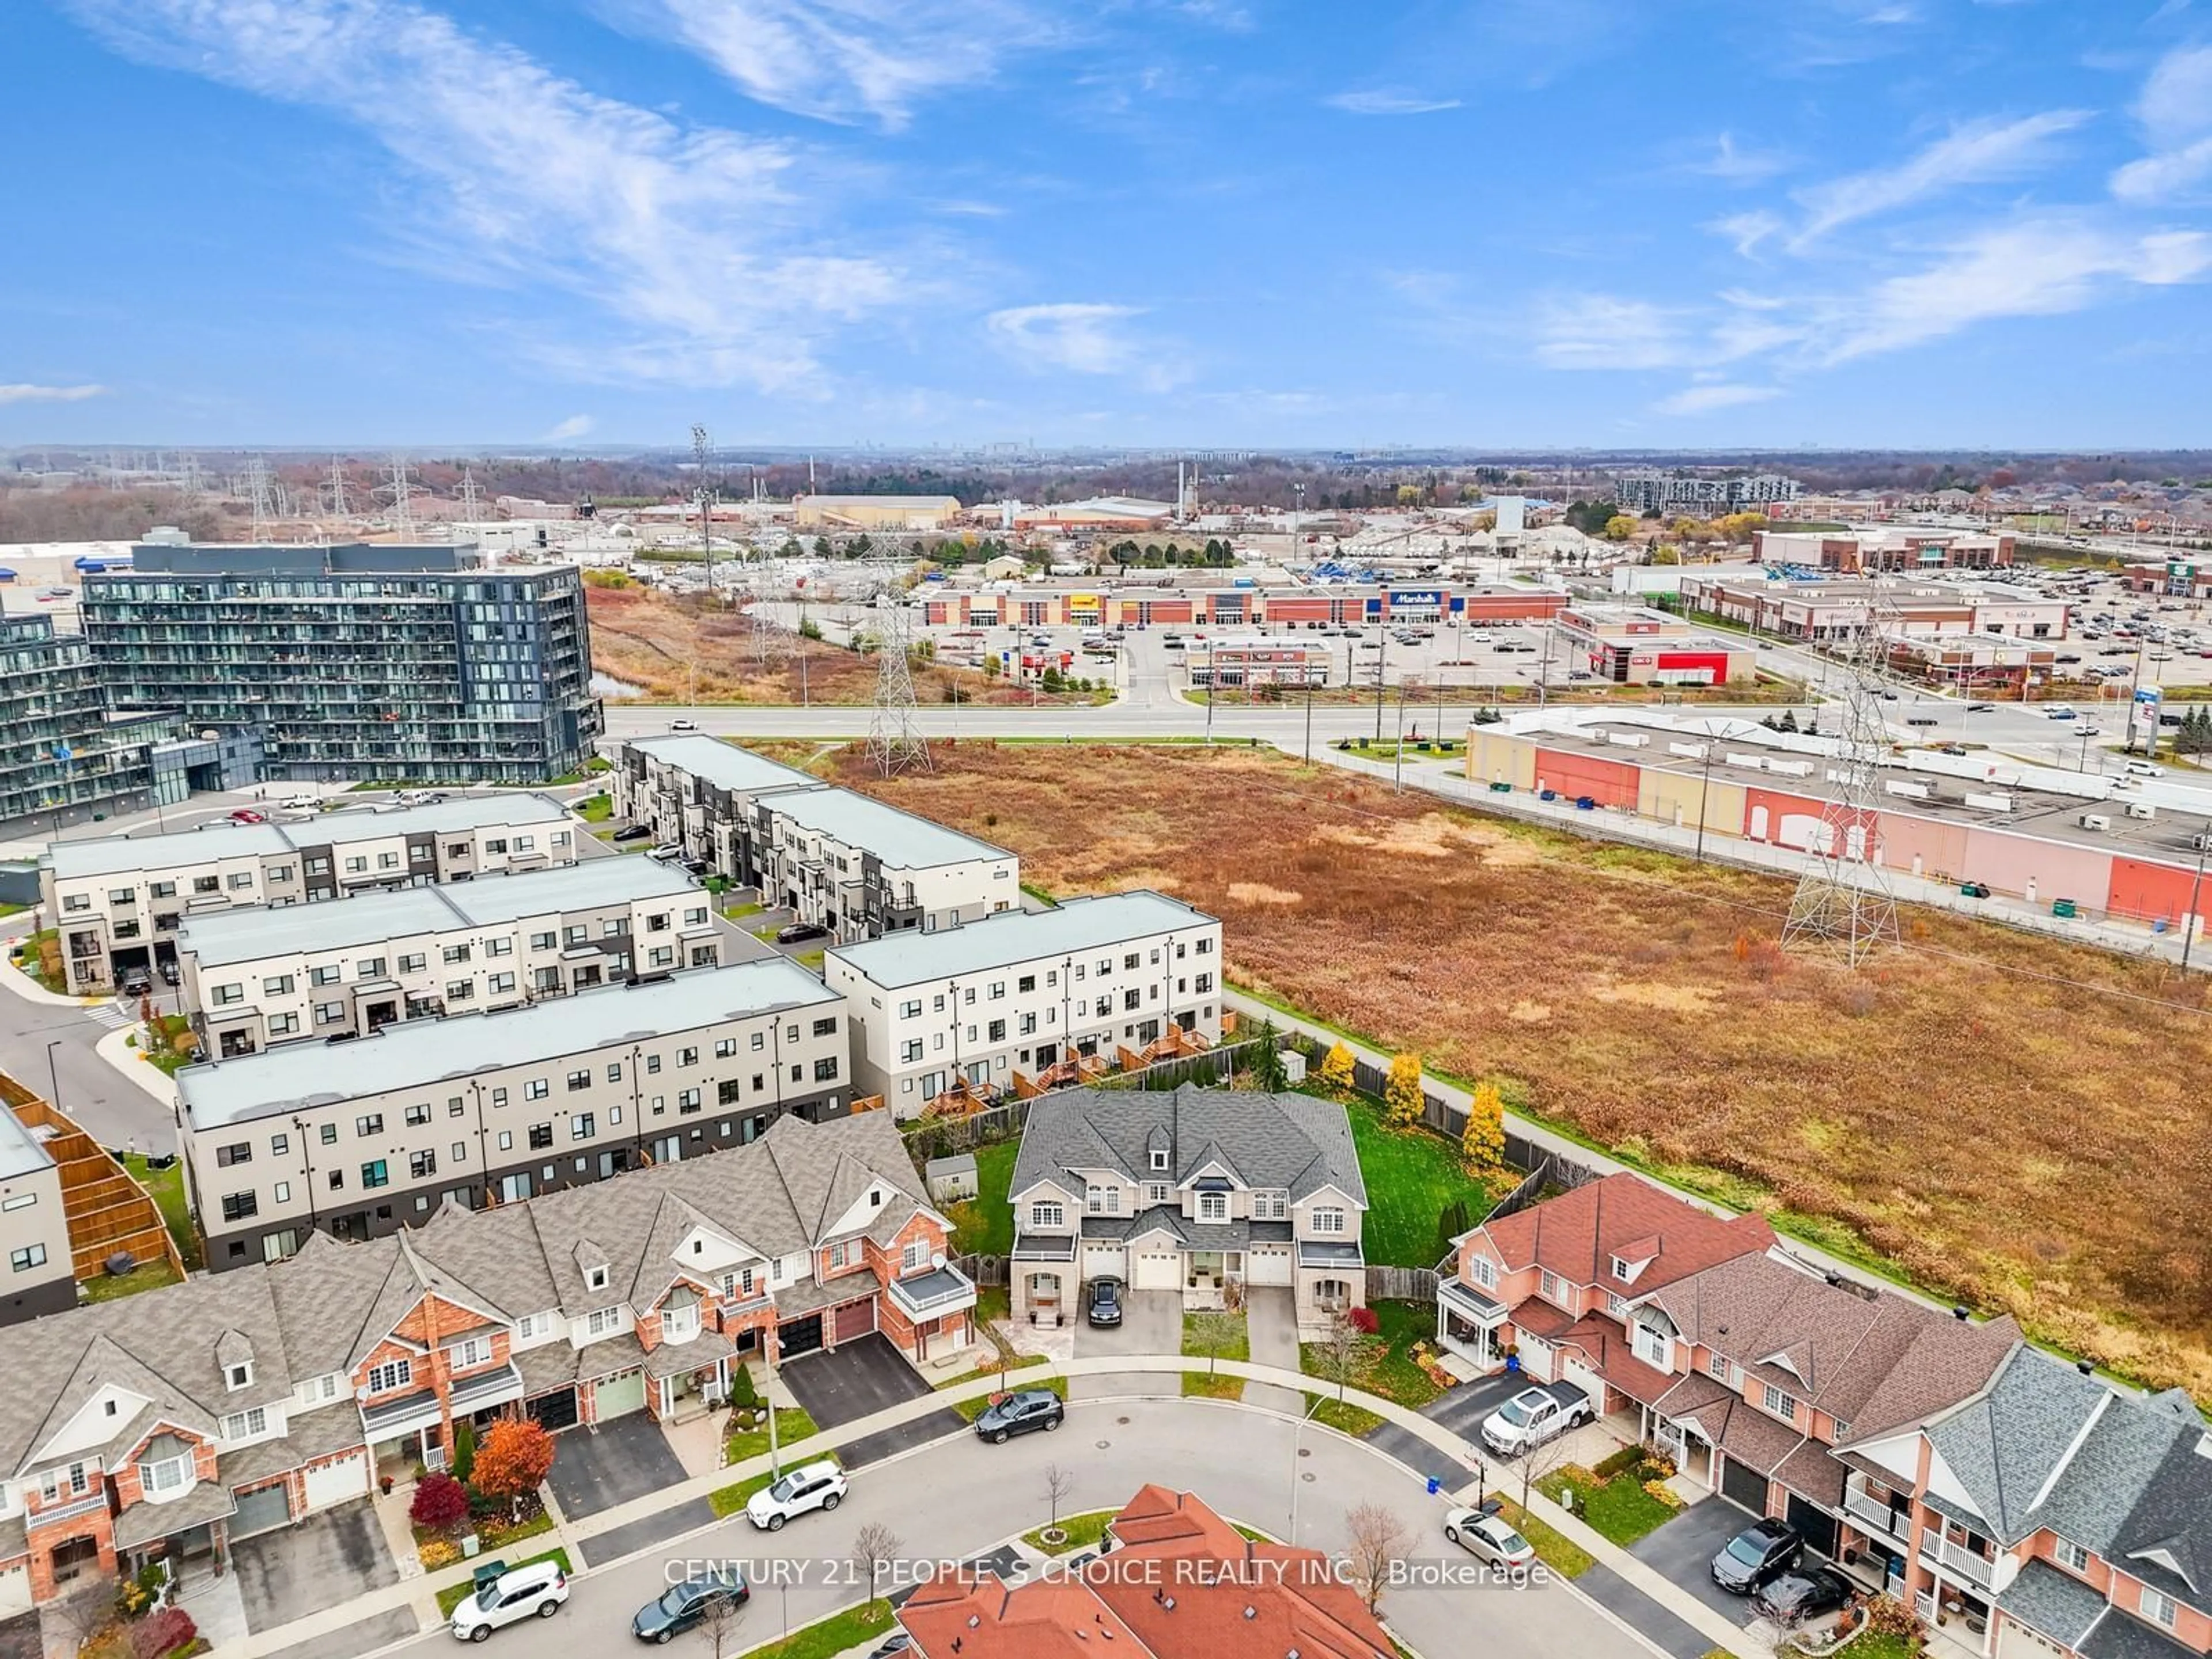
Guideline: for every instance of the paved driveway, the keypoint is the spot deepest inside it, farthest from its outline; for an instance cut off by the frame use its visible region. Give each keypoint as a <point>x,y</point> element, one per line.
<point>327,1559</point>
<point>1151,1322</point>
<point>1460,1410</point>
<point>1682,1551</point>
<point>19,1637</point>
<point>1271,1319</point>
<point>625,1458</point>
<point>856,1379</point>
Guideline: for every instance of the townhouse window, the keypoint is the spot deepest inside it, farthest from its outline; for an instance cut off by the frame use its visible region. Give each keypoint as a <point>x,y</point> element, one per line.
<point>459,1151</point>
<point>238,1206</point>
<point>1203,982</point>
<point>329,1132</point>
<point>725,1048</point>
<point>387,860</point>
<point>2159,1608</point>
<point>543,941</point>
<point>283,1192</point>
<point>501,984</point>
<point>915,1253</point>
<point>581,1079</point>
<point>498,1097</point>
<point>280,872</point>
<point>690,1056</point>
<point>417,1115</point>
<point>1650,1346</point>
<point>1132,999</point>
<point>652,1064</point>
<point>1782,1405</point>
<point>499,947</point>
<point>1159,1157</point>
<point>1045,1213</point>
<point>459,990</point>
<point>826,1027</point>
<point>910,1010</point>
<point>374,1174</point>
<point>695,917</point>
<point>369,967</point>
<point>1616,1304</point>
<point>507,1140</point>
<point>279,1145</point>
<point>998,989</point>
<point>170,1474</point>
<point>422,1165</point>
<point>227,996</point>
<point>243,1425</point>
<point>583,1127</point>
<point>545,979</point>
<point>413,962</point>
<point>1270,1207</point>
<point>418,856</point>
<point>330,1013</point>
<point>1158,1192</point>
<point>327,974</point>
<point>1328,1220</point>
<point>495,845</point>
<point>910,1050</point>
<point>1028,1025</point>
<point>206,884</point>
<point>967,995</point>
<point>937,1003</point>
<point>469,1352</point>
<point>601,1321</point>
<point>1482,1271</point>
<point>1026,982</point>
<point>541,1136</point>
<point>1553,1288</point>
<point>2070,1555</point>
<point>687,1100</point>
<point>725,1092</point>
<point>163,890</point>
<point>577,935</point>
<point>73,1481</point>
<point>1214,1206</point>
<point>371,1123</point>
<point>338,1183</point>
<point>826,1070</point>
<point>997,1031</point>
<point>239,1152</point>
<point>839,1255</point>
<point>536,1089</point>
<point>614,927</point>
<point>76,901</point>
<point>662,956</point>
<point>657,924</point>
<point>392,1374</point>
<point>115,896</point>
<point>356,866</point>
<point>240,879</point>
<point>29,1256</point>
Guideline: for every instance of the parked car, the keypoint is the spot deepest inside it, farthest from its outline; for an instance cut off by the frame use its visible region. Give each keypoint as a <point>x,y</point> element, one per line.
<point>1533,1416</point>
<point>680,1606</point>
<point>666,852</point>
<point>632,832</point>
<point>899,1643</point>
<point>1103,1307</point>
<point>247,814</point>
<point>171,974</point>
<point>696,867</point>
<point>1488,1538</point>
<point>799,933</point>
<point>300,804</point>
<point>1981,708</point>
<point>1797,1596</point>
<point>683,726</point>
<point>1757,1556</point>
<point>539,1590</point>
<point>813,1486</point>
<point>1023,1411</point>
<point>135,982</point>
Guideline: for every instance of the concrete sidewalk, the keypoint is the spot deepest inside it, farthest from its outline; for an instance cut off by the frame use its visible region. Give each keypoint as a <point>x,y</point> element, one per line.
<point>1647,1586</point>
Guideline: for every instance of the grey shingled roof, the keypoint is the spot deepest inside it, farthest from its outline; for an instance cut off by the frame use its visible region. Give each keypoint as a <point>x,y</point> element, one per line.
<point>2004,1444</point>
<point>1292,1141</point>
<point>2166,1540</point>
<point>2056,1603</point>
<point>2122,1636</point>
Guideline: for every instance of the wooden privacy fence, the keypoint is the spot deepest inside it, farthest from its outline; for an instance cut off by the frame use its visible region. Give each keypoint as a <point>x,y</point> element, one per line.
<point>107,1212</point>
<point>986,1271</point>
<point>1401,1284</point>
<point>937,1137</point>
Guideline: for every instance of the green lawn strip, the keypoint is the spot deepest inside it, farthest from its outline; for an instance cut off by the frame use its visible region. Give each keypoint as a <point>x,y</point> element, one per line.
<point>453,1595</point>
<point>1216,1336</point>
<point>1207,1385</point>
<point>984,1225</point>
<point>112,1287</point>
<point>595,809</point>
<point>1619,1509</point>
<point>1560,1552</point>
<point>166,1188</point>
<point>972,1409</point>
<point>1384,1363</point>
<point>792,1425</point>
<point>739,912</point>
<point>13,909</point>
<point>1021,1362</point>
<point>1342,1415</point>
<point>810,960</point>
<point>1878,1645</point>
<point>1083,1531</point>
<point>827,1637</point>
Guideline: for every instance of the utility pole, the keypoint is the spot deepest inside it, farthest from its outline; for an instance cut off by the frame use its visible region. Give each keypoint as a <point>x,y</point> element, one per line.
<point>1309,721</point>
<point>1212,687</point>
<point>1704,784</point>
<point>1382,657</point>
<point>1397,763</point>
<point>2196,887</point>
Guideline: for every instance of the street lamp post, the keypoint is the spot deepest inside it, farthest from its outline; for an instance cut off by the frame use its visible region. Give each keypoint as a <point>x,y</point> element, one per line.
<point>2196,887</point>
<point>53,1075</point>
<point>1398,762</point>
<point>1704,784</point>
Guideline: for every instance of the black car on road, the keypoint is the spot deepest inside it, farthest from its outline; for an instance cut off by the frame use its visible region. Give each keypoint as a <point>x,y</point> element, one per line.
<point>632,832</point>
<point>1807,1592</point>
<point>681,1607</point>
<point>1757,1556</point>
<point>799,933</point>
<point>1021,1413</point>
<point>1103,1307</point>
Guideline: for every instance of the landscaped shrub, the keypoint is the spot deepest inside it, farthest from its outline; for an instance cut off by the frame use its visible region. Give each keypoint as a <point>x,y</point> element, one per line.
<point>516,1456</point>
<point>1363,1320</point>
<point>440,1502</point>
<point>465,1451</point>
<point>162,1633</point>
<point>1626,1458</point>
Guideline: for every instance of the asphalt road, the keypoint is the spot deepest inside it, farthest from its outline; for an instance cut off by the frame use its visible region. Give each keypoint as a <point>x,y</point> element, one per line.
<point>958,1498</point>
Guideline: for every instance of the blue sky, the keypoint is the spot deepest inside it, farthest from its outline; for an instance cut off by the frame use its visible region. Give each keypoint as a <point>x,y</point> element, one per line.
<point>1494,222</point>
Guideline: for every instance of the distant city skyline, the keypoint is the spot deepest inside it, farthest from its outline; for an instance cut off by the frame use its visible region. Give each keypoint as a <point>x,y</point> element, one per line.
<point>1613,225</point>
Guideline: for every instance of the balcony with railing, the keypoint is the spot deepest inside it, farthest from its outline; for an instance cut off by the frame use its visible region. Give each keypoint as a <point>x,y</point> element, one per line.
<point>1875,1516</point>
<point>1955,1558</point>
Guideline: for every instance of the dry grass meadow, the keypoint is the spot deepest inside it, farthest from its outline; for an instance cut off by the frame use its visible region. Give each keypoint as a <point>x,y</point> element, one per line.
<point>2005,1119</point>
<point>652,641</point>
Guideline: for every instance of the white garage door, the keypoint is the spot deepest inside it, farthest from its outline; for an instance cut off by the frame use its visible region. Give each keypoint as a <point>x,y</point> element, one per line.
<point>1104,1261</point>
<point>1575,1371</point>
<point>618,1396</point>
<point>335,1482</point>
<point>1157,1270</point>
<point>1270,1265</point>
<point>1536,1358</point>
<point>14,1590</point>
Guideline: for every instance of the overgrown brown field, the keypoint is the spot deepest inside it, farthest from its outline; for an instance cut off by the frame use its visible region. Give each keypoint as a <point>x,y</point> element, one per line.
<point>650,641</point>
<point>2006,1119</point>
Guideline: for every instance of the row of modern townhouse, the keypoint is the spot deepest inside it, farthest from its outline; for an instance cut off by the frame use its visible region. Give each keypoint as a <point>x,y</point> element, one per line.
<point>1946,1462</point>
<point>838,861</point>
<point>119,901</point>
<point>172,1424</point>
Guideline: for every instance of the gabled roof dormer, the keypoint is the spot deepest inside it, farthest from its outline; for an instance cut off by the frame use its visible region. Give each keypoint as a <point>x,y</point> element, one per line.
<point>233,1358</point>
<point>1796,1359</point>
<point>1631,1259</point>
<point>1159,1151</point>
<point>593,1264</point>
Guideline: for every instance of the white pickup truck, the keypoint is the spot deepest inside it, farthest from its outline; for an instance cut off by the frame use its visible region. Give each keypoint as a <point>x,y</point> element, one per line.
<point>1535,1415</point>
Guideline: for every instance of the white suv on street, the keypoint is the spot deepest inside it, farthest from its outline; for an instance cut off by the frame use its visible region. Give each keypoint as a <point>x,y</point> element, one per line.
<point>814,1486</point>
<point>539,1590</point>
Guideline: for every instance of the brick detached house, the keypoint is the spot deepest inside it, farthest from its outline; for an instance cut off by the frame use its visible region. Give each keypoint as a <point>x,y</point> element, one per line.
<point>2022,1508</point>
<point>1177,1581</point>
<point>1204,1191</point>
<point>168,1425</point>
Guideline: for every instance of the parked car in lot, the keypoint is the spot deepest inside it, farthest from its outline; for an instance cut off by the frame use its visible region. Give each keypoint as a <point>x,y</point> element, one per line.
<point>247,814</point>
<point>681,1607</point>
<point>1533,1416</point>
<point>1488,1538</point>
<point>300,804</point>
<point>171,974</point>
<point>799,933</point>
<point>814,1486</point>
<point>1023,1411</point>
<point>1103,1306</point>
<point>1806,1594</point>
<point>1757,1556</point>
<point>539,1591</point>
<point>666,852</point>
<point>632,832</point>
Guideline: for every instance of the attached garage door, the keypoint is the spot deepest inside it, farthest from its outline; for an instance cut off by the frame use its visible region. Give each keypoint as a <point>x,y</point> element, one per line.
<point>14,1590</point>
<point>1104,1261</point>
<point>618,1396</point>
<point>263,1510</point>
<point>1270,1265</point>
<point>1537,1359</point>
<point>1816,1525</point>
<point>800,1336</point>
<point>1740,1484</point>
<point>855,1319</point>
<point>555,1411</point>
<point>1577,1372</point>
<point>335,1481</point>
<point>1156,1270</point>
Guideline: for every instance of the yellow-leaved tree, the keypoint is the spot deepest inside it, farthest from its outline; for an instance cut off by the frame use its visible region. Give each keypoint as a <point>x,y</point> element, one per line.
<point>1336,1069</point>
<point>1482,1143</point>
<point>1401,1095</point>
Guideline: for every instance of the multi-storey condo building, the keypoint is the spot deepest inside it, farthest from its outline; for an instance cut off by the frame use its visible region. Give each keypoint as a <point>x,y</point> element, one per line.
<point>355,660</point>
<point>60,756</point>
<point>1027,998</point>
<point>841,860</point>
<point>1205,1192</point>
<point>174,1424</point>
<point>364,1137</point>
<point>1651,490</point>
<point>254,977</point>
<point>118,901</point>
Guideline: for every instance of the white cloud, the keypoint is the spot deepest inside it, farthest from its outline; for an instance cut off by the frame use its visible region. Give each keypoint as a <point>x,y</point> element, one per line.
<point>1086,338</point>
<point>2032,267</point>
<point>1382,101</point>
<point>1747,230</point>
<point>2176,113</point>
<point>1741,167</point>
<point>690,237</point>
<point>575,426</point>
<point>1600,330</point>
<point>1702,400</point>
<point>24,393</point>
<point>850,60</point>
<point>1977,153</point>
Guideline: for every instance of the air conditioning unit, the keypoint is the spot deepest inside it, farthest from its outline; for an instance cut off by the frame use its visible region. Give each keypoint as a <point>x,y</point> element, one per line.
<point>1294,1067</point>
<point>2095,821</point>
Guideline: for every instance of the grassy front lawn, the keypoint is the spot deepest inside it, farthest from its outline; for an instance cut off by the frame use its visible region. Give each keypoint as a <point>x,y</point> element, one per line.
<point>1384,1363</point>
<point>1020,1360</point>
<point>1207,1385</point>
<point>984,1225</point>
<point>1876,1645</point>
<point>595,809</point>
<point>972,1409</point>
<point>1083,1531</point>
<point>853,1628</point>
<point>166,1188</point>
<point>739,912</point>
<point>790,1425</point>
<point>1556,1551</point>
<point>1343,1416</point>
<point>1216,1336</point>
<point>1619,1509</point>
<point>810,960</point>
<point>112,1287</point>
<point>453,1596</point>
<point>1411,1175</point>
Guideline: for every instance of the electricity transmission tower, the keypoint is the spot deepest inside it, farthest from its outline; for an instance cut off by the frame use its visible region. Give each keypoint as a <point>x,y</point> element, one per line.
<point>1844,907</point>
<point>337,488</point>
<point>261,496</point>
<point>472,494</point>
<point>895,740</point>
<point>401,488</point>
